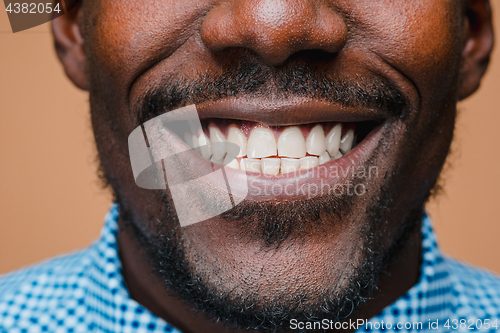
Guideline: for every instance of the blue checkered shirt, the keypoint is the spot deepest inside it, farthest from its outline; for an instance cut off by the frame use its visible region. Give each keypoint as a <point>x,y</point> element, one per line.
<point>85,292</point>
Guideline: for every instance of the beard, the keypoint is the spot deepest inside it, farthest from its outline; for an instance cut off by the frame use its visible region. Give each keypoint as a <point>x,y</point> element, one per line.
<point>274,225</point>
<point>245,309</point>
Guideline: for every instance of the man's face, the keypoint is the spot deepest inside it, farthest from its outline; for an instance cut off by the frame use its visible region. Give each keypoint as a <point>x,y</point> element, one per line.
<point>390,69</point>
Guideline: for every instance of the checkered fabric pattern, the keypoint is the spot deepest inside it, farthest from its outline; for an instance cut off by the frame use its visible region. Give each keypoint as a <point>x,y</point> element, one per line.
<point>85,292</point>
<point>458,296</point>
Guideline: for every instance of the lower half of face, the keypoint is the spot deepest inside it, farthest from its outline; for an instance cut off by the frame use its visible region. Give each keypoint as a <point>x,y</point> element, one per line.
<point>308,254</point>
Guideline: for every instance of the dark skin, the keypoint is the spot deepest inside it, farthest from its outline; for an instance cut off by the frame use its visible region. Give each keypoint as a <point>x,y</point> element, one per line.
<point>434,52</point>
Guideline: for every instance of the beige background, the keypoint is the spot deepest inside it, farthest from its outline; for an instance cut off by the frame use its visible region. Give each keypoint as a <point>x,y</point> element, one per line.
<point>51,201</point>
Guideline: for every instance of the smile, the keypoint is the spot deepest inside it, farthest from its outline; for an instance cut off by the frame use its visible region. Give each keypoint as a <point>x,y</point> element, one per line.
<point>298,148</point>
<point>274,150</point>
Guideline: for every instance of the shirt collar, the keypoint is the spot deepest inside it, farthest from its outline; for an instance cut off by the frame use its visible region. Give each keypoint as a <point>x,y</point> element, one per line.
<point>105,275</point>
<point>432,297</point>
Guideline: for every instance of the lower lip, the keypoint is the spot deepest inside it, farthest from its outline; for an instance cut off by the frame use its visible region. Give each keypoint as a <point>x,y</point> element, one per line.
<point>301,185</point>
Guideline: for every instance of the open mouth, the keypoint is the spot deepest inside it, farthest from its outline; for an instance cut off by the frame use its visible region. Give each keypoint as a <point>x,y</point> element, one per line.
<point>275,150</point>
<point>232,160</point>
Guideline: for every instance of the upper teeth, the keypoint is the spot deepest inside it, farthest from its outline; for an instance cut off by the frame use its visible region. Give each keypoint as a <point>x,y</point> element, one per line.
<point>346,142</point>
<point>205,146</point>
<point>218,150</point>
<point>263,154</point>
<point>261,143</point>
<point>316,142</point>
<point>291,143</point>
<point>237,137</point>
<point>333,140</point>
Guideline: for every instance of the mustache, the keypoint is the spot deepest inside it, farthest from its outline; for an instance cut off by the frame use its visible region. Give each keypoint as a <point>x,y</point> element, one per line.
<point>249,79</point>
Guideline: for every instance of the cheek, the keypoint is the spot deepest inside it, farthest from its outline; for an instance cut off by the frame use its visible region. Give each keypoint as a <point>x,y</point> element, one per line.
<point>125,39</point>
<point>129,36</point>
<point>420,38</point>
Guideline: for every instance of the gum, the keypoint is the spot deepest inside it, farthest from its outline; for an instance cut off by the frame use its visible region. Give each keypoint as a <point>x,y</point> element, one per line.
<point>247,126</point>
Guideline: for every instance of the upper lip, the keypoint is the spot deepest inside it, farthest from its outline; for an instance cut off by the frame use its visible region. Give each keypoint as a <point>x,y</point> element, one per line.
<point>286,112</point>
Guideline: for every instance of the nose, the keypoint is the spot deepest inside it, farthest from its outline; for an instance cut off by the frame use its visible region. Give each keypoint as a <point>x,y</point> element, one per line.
<point>274,29</point>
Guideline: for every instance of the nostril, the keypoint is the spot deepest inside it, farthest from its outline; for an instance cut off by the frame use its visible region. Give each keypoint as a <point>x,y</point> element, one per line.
<point>274,30</point>
<point>317,56</point>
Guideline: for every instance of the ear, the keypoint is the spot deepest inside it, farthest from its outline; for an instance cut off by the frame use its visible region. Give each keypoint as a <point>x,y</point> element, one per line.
<point>478,44</point>
<point>69,46</point>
